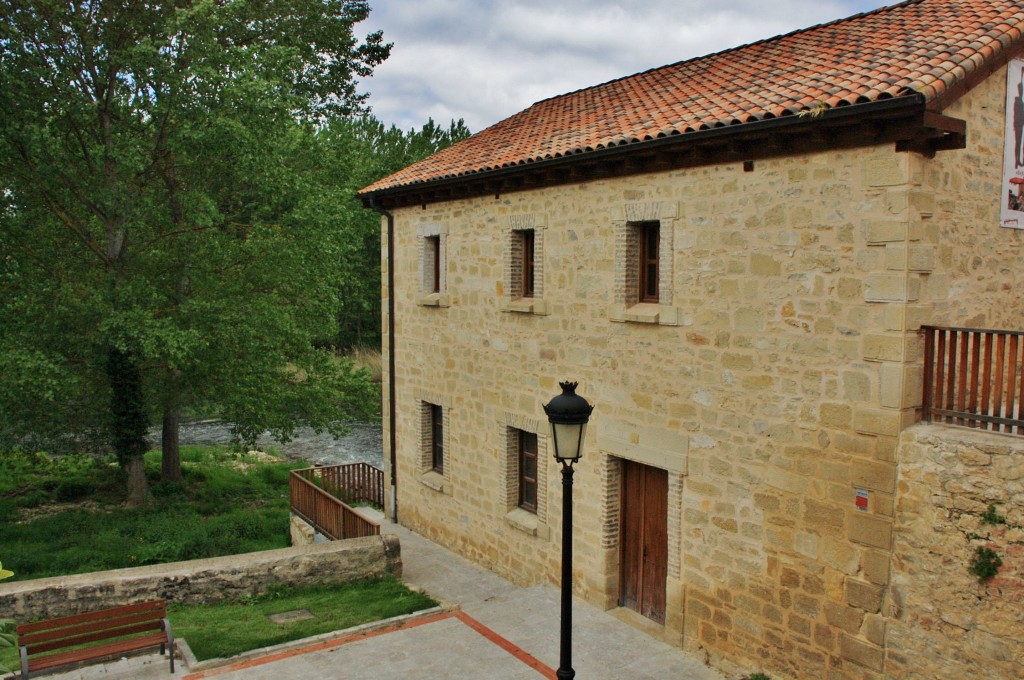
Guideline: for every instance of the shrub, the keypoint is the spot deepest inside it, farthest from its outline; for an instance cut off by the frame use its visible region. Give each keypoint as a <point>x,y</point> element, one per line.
<point>990,516</point>
<point>8,510</point>
<point>222,508</point>
<point>167,489</point>
<point>7,639</point>
<point>32,499</point>
<point>985,564</point>
<point>73,490</point>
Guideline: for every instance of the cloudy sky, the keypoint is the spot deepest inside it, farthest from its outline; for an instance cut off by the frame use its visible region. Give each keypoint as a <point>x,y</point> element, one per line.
<point>484,60</point>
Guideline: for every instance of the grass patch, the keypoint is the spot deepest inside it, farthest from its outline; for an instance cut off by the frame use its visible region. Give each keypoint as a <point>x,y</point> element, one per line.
<point>369,358</point>
<point>230,628</point>
<point>226,629</point>
<point>62,515</point>
<point>9,660</point>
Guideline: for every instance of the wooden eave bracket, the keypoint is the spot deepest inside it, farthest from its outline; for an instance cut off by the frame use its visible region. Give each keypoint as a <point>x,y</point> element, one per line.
<point>939,132</point>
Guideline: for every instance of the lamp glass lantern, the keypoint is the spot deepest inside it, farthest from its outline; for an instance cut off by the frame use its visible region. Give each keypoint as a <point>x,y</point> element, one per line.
<point>568,414</point>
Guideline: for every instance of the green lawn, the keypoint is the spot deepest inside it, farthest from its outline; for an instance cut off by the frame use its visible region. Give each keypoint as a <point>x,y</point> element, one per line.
<point>230,628</point>
<point>63,515</point>
<point>221,630</point>
<point>230,503</point>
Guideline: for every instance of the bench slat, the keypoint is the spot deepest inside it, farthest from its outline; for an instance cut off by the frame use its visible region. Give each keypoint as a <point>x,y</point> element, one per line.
<point>118,629</point>
<point>95,652</point>
<point>91,616</point>
<point>31,639</point>
<point>85,638</point>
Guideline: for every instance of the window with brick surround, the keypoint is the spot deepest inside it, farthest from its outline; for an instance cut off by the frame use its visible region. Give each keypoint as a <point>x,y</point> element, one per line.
<point>433,245</point>
<point>523,270</point>
<point>524,494</point>
<point>648,235</point>
<point>644,263</point>
<point>524,265</point>
<point>527,470</point>
<point>432,264</point>
<point>434,438</point>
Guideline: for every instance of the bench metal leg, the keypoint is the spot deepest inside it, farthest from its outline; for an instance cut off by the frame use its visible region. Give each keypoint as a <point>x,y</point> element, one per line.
<point>24,663</point>
<point>170,643</point>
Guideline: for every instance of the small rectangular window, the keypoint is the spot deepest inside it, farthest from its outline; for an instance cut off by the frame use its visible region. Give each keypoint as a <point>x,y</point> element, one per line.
<point>527,273</point>
<point>432,263</point>
<point>650,237</point>
<point>528,471</point>
<point>436,438</point>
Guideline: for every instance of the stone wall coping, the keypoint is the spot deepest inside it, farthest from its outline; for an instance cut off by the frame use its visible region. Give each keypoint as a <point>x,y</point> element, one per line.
<point>190,567</point>
<point>966,435</point>
<point>205,580</point>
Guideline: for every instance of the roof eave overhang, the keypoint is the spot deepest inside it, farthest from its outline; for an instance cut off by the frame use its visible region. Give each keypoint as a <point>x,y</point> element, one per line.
<point>904,121</point>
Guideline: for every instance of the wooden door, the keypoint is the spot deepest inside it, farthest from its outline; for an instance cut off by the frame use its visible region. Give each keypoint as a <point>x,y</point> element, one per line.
<point>644,539</point>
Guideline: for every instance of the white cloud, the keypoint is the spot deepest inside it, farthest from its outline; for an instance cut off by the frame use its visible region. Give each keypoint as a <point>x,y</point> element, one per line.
<point>484,60</point>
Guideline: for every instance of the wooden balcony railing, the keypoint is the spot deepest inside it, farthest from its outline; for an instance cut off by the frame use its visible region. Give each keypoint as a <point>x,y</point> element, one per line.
<point>974,377</point>
<point>317,493</point>
<point>351,483</point>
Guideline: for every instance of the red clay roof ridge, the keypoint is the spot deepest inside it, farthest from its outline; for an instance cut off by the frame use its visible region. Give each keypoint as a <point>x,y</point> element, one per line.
<point>931,55</point>
<point>718,53</point>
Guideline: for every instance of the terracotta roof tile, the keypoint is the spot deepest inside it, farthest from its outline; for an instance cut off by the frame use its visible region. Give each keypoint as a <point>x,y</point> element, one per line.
<point>916,48</point>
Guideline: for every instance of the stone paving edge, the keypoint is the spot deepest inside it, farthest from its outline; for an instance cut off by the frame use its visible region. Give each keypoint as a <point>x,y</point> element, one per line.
<point>195,666</point>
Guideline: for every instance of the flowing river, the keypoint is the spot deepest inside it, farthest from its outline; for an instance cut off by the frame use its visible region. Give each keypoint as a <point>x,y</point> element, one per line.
<point>363,443</point>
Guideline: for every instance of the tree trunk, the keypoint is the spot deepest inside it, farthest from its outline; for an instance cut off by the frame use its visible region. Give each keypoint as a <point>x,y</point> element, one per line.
<point>170,456</point>
<point>138,487</point>
<point>129,423</point>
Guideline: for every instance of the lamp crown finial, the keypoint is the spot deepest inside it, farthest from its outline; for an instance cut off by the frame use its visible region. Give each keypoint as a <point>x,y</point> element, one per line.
<point>568,407</point>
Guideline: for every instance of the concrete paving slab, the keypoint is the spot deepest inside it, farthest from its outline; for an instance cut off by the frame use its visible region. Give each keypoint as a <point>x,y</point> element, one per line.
<point>446,646</point>
<point>503,632</point>
<point>604,648</point>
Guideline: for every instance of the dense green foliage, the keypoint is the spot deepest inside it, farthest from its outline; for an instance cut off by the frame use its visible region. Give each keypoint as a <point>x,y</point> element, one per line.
<point>990,516</point>
<point>170,241</point>
<point>243,625</point>
<point>8,651</point>
<point>358,152</point>
<point>985,564</point>
<point>229,503</point>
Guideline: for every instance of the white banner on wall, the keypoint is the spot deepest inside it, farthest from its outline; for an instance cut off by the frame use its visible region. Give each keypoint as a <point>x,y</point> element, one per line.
<point>1012,199</point>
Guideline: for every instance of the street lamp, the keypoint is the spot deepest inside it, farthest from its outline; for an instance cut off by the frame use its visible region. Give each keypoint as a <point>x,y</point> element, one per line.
<point>568,414</point>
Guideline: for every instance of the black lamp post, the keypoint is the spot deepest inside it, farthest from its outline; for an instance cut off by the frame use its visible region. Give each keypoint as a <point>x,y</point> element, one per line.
<point>568,414</point>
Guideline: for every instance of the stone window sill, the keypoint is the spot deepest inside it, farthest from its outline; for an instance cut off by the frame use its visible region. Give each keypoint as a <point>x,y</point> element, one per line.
<point>526,306</point>
<point>433,300</point>
<point>527,522</point>
<point>434,480</point>
<point>645,312</point>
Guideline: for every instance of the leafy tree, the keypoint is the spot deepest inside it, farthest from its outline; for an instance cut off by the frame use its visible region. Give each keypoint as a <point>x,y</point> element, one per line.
<point>165,245</point>
<point>7,638</point>
<point>359,151</point>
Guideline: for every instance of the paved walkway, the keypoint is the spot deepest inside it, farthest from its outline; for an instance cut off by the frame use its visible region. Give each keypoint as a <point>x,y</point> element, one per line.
<point>500,632</point>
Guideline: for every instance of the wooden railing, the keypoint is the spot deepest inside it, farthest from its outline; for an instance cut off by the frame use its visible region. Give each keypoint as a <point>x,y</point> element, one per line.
<point>350,482</point>
<point>973,377</point>
<point>318,495</point>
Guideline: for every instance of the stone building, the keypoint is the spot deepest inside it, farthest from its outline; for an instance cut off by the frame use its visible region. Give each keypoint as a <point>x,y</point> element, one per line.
<point>734,256</point>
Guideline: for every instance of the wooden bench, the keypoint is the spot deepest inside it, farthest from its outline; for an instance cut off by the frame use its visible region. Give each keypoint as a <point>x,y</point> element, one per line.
<point>71,639</point>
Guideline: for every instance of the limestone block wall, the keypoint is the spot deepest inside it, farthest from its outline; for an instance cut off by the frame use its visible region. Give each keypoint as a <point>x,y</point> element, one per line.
<point>771,380</point>
<point>759,388</point>
<point>978,270</point>
<point>201,581</point>
<point>945,624</point>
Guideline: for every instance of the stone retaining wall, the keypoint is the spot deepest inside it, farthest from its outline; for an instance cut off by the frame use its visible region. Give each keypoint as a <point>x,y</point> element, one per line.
<point>200,581</point>
<point>945,624</point>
